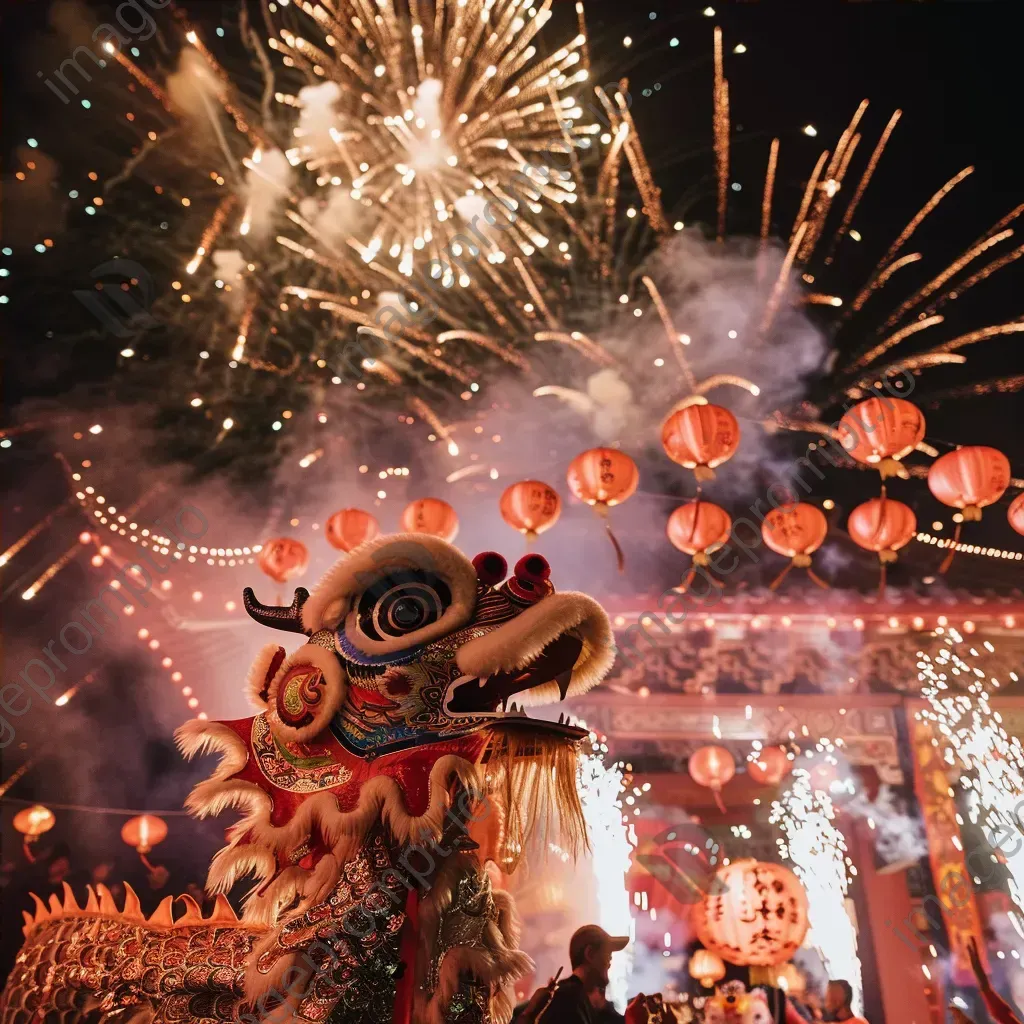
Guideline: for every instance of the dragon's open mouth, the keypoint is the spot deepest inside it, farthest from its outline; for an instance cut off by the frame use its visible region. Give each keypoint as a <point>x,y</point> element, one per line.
<point>475,697</point>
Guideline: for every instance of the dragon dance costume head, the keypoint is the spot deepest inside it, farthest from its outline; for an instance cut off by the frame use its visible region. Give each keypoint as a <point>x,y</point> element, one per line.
<point>389,781</point>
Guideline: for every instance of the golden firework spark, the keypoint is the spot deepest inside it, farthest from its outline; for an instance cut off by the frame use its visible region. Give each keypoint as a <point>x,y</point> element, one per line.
<point>894,339</point>
<point>940,279</point>
<point>720,124</point>
<point>862,185</point>
<point>675,339</point>
<point>769,188</point>
<point>419,119</point>
<point>782,282</point>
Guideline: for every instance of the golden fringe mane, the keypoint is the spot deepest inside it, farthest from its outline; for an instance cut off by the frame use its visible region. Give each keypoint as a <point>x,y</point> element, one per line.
<point>534,779</point>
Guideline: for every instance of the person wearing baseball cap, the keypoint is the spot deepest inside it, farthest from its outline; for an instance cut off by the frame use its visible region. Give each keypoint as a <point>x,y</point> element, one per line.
<point>572,1001</point>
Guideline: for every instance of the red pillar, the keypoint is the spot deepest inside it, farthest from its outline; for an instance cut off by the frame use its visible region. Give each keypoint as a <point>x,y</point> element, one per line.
<point>897,964</point>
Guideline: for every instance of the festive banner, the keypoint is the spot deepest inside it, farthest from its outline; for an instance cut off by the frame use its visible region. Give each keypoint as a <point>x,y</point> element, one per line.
<point>945,852</point>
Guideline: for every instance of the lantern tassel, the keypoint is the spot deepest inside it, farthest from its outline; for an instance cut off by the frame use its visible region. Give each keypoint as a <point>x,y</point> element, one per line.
<point>889,467</point>
<point>948,560</point>
<point>815,578</point>
<point>801,562</point>
<point>703,473</point>
<point>777,582</point>
<point>620,557</point>
<point>699,559</point>
<point>884,558</point>
<point>602,510</point>
<point>717,793</point>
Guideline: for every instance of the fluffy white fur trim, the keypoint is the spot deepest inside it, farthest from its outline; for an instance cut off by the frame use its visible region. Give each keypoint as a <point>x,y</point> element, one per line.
<point>256,678</point>
<point>200,737</point>
<point>255,842</point>
<point>335,685</point>
<point>332,597</point>
<point>515,644</point>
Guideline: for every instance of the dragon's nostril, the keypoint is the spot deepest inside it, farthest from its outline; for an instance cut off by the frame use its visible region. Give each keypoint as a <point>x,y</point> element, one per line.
<point>529,580</point>
<point>490,568</point>
<point>532,569</point>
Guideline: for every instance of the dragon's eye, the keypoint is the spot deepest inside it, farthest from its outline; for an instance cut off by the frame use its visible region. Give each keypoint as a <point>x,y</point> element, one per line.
<point>402,603</point>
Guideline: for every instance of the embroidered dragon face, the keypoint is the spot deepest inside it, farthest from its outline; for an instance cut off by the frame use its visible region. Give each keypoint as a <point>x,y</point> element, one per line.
<point>411,643</point>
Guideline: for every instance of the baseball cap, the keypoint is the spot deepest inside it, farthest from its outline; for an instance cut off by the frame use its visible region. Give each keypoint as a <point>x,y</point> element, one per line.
<point>593,935</point>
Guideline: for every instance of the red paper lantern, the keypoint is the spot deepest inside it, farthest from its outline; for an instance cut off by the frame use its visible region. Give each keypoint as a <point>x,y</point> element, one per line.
<point>881,431</point>
<point>602,477</point>
<point>34,821</point>
<point>970,478</point>
<point>350,527</point>
<point>431,516</point>
<point>712,767</point>
<point>699,528</point>
<point>531,507</point>
<point>701,437</point>
<point>1016,513</point>
<point>144,832</point>
<point>706,967</point>
<point>754,914</point>
<point>883,526</point>
<point>796,531</point>
<point>771,767</point>
<point>283,558</point>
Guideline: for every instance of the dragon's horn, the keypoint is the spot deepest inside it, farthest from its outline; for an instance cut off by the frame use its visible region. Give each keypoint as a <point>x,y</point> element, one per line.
<point>56,910</point>
<point>29,922</point>
<point>107,904</point>
<point>277,616</point>
<point>91,906</point>
<point>42,914</point>
<point>132,908</point>
<point>70,903</point>
<point>193,913</point>
<point>223,912</point>
<point>162,916</point>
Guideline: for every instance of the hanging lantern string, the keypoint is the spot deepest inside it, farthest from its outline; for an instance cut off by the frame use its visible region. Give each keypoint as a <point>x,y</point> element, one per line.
<point>128,812</point>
